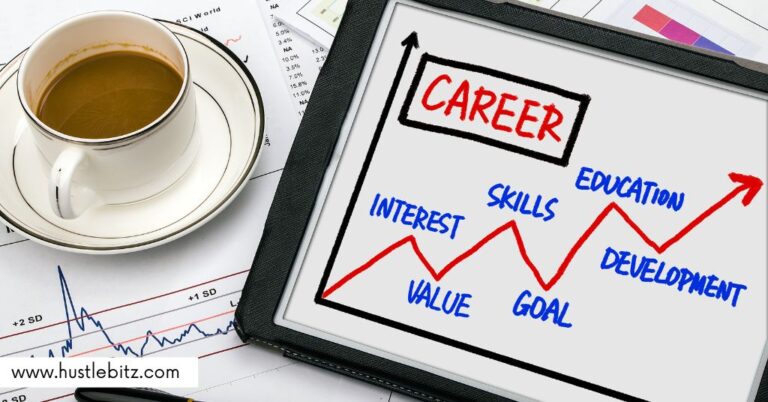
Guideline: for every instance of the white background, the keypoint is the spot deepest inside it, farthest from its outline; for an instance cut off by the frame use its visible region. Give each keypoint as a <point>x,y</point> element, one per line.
<point>30,283</point>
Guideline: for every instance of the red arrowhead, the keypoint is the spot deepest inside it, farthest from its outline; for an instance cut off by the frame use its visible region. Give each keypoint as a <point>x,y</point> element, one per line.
<point>750,184</point>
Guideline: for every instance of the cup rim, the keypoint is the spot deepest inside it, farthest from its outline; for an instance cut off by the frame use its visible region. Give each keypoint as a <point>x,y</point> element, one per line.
<point>150,127</point>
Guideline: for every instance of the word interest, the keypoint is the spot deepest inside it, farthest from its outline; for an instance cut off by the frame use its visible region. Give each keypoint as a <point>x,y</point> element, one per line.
<point>639,190</point>
<point>540,309</point>
<point>518,201</point>
<point>424,292</point>
<point>415,216</point>
<point>651,270</point>
<point>495,108</point>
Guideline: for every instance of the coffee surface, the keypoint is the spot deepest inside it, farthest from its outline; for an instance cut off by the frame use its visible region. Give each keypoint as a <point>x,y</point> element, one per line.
<point>109,95</point>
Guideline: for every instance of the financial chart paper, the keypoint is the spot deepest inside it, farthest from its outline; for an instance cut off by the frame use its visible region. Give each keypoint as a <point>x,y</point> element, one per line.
<point>155,303</point>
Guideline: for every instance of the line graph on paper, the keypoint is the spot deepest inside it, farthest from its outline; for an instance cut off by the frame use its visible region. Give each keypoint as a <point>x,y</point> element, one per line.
<point>192,320</point>
<point>82,332</point>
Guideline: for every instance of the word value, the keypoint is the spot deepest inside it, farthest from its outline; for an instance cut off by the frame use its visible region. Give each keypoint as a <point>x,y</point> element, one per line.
<point>540,309</point>
<point>432,300</point>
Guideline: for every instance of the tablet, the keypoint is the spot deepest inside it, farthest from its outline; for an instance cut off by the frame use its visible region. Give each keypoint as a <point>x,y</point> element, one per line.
<point>489,202</point>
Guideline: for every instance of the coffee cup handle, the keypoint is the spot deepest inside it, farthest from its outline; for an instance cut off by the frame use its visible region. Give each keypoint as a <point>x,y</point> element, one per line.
<point>60,186</point>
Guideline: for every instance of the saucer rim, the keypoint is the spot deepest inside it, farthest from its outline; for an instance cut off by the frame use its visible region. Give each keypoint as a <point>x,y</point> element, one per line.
<point>258,105</point>
<point>142,234</point>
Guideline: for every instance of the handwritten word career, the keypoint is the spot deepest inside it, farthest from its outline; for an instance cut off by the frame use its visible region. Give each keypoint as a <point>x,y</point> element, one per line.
<point>503,111</point>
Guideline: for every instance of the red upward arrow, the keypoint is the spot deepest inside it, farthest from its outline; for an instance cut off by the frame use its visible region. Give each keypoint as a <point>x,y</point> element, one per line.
<point>749,185</point>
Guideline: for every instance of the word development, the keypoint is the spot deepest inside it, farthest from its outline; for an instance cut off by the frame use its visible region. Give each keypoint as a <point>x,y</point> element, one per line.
<point>646,270</point>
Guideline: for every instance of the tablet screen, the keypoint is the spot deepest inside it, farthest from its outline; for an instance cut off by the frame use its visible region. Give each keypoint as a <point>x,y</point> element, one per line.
<point>541,220</point>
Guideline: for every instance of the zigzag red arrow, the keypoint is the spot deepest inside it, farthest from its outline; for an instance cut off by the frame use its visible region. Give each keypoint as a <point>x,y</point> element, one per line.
<point>749,184</point>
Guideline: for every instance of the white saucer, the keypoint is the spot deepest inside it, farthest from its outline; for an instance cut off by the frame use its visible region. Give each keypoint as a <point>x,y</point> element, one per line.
<point>230,126</point>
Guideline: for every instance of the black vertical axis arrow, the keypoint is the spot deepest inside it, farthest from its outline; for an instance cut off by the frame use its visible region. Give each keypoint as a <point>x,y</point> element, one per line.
<point>410,42</point>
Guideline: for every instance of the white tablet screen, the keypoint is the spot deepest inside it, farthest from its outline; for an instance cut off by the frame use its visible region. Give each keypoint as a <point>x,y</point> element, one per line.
<point>540,220</point>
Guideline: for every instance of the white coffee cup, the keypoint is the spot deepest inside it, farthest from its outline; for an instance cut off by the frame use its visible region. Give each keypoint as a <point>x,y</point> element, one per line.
<point>128,168</point>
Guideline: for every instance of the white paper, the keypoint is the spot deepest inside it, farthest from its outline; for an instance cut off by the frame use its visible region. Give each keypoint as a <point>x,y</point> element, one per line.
<point>8,236</point>
<point>316,19</point>
<point>738,25</point>
<point>175,277</point>
<point>227,244</point>
<point>300,59</point>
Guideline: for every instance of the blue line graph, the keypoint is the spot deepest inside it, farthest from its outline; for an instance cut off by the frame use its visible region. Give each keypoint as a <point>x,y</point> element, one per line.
<point>80,317</point>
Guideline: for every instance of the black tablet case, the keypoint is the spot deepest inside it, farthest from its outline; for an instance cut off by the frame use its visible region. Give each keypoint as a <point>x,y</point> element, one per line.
<point>314,145</point>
